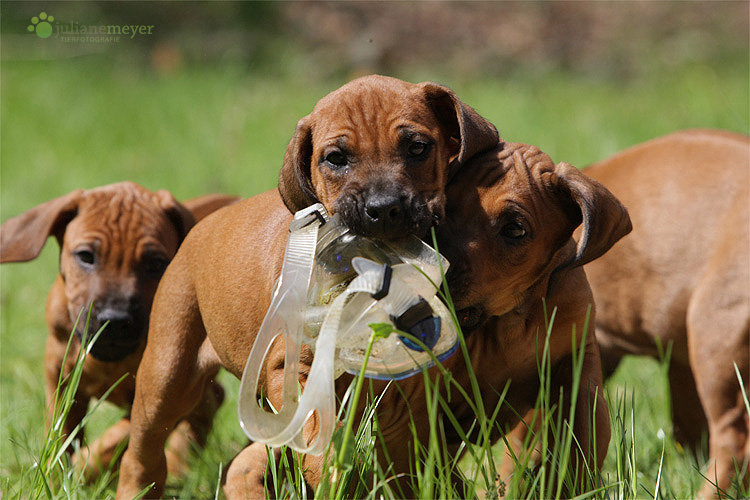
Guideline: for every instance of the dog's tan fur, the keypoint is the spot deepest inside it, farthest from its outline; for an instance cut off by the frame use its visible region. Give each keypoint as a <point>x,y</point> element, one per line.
<point>378,151</point>
<point>131,234</point>
<point>213,298</point>
<point>511,216</point>
<point>400,143</point>
<point>682,277</point>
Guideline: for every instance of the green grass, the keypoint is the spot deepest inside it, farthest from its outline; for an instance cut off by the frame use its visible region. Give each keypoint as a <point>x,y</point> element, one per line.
<point>353,470</point>
<point>89,121</point>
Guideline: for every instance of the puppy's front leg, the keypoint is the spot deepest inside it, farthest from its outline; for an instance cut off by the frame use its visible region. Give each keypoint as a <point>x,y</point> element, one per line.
<point>246,474</point>
<point>54,361</point>
<point>591,426</point>
<point>168,388</point>
<point>594,421</point>
<point>193,431</point>
<point>177,369</point>
<point>100,455</point>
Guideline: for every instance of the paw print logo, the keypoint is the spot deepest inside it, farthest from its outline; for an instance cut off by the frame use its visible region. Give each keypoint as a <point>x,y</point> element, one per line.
<point>41,25</point>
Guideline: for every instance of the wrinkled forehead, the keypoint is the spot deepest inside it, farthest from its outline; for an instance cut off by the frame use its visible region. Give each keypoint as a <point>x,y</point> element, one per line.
<point>374,88</point>
<point>120,215</point>
<point>511,171</point>
<point>367,104</point>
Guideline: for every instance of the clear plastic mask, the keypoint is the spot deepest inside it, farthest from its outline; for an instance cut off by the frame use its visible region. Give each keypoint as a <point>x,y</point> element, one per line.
<point>333,286</point>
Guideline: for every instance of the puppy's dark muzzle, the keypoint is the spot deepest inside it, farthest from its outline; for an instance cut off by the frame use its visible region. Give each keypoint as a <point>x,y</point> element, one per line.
<point>458,280</point>
<point>385,216</point>
<point>470,318</point>
<point>122,333</point>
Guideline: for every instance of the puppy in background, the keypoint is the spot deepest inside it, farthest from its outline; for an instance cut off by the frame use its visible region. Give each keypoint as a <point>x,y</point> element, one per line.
<point>683,278</point>
<point>115,243</point>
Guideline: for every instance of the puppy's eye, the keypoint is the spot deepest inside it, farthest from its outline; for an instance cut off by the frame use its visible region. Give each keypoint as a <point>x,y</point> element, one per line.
<point>155,266</point>
<point>418,148</point>
<point>336,159</point>
<point>513,231</point>
<point>85,258</point>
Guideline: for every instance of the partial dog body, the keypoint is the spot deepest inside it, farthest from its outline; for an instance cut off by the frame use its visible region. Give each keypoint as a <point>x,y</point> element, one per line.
<point>378,151</point>
<point>511,216</point>
<point>214,296</point>
<point>682,278</point>
<point>115,242</point>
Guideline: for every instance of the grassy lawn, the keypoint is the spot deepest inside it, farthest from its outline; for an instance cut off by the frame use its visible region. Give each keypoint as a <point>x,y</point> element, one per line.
<point>87,121</point>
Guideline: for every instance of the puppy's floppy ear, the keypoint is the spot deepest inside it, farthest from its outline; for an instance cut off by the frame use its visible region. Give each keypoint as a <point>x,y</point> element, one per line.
<point>22,237</point>
<point>605,220</point>
<point>295,184</point>
<point>177,213</point>
<point>470,132</point>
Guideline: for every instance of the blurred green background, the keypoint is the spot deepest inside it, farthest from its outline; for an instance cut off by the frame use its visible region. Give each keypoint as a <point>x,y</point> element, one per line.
<point>210,98</point>
<point>208,101</point>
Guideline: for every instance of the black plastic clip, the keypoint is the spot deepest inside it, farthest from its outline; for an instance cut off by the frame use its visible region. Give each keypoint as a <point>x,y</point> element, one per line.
<point>385,284</point>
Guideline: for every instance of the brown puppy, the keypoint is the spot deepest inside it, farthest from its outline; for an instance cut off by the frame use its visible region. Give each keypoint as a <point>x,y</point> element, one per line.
<point>380,152</point>
<point>115,243</point>
<point>508,235</point>
<point>683,278</point>
<point>213,298</point>
<point>206,314</point>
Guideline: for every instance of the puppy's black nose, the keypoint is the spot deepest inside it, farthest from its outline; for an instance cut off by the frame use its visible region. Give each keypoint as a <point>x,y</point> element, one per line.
<point>125,329</point>
<point>384,215</point>
<point>119,321</point>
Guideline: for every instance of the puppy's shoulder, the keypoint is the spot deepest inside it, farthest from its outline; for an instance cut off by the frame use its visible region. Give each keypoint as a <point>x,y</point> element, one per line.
<point>255,226</point>
<point>257,211</point>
